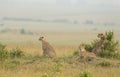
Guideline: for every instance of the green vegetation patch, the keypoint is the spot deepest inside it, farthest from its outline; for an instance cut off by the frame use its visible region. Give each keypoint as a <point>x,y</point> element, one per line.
<point>109,47</point>
<point>85,74</point>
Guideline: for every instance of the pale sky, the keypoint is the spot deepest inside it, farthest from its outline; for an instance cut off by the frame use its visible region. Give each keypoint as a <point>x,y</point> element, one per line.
<point>34,7</point>
<point>111,2</point>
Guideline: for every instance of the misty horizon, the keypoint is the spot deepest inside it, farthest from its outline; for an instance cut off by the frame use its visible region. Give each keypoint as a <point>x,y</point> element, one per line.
<point>107,11</point>
<point>34,8</point>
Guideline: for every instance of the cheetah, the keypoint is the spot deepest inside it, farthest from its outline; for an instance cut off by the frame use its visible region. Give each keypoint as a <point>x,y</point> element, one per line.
<point>83,53</point>
<point>98,47</point>
<point>48,50</point>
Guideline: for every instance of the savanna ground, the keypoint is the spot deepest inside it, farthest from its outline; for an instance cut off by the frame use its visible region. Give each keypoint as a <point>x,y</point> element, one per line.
<point>64,65</point>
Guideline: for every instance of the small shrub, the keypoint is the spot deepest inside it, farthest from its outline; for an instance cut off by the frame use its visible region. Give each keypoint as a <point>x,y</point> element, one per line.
<point>3,53</point>
<point>16,53</point>
<point>109,54</point>
<point>57,67</point>
<point>85,74</point>
<point>76,53</point>
<point>89,47</point>
<point>15,62</point>
<point>12,64</point>
<point>45,75</point>
<point>110,46</point>
<point>109,35</point>
<point>104,64</point>
<point>22,31</point>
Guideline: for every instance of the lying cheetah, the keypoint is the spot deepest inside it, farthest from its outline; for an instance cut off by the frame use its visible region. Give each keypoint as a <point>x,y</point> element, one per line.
<point>85,54</point>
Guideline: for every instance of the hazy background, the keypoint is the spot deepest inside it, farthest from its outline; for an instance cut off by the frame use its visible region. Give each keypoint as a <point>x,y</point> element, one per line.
<point>64,23</point>
<point>43,16</point>
<point>58,8</point>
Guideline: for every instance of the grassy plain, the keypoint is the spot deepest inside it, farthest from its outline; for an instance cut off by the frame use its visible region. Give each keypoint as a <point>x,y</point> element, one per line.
<point>65,44</point>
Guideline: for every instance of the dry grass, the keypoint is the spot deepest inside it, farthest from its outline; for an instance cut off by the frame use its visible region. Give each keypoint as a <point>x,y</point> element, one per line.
<point>39,67</point>
<point>65,43</point>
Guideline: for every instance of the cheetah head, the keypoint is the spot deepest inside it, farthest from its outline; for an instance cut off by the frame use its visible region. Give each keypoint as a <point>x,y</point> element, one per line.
<point>101,36</point>
<point>41,38</point>
<point>82,48</point>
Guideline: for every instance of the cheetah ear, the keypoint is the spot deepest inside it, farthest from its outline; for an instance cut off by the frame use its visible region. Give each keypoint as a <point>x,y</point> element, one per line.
<point>42,37</point>
<point>100,33</point>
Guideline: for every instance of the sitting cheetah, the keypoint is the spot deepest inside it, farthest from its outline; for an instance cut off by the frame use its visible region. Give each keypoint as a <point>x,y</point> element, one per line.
<point>48,50</point>
<point>85,54</point>
<point>98,47</point>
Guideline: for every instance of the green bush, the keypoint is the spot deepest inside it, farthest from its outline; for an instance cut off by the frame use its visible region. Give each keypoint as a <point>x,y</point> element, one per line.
<point>45,75</point>
<point>85,74</point>
<point>90,47</point>
<point>3,53</point>
<point>17,53</point>
<point>109,48</point>
<point>76,53</point>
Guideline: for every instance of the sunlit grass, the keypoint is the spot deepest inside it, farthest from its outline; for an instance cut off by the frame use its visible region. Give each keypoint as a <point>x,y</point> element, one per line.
<point>34,65</point>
